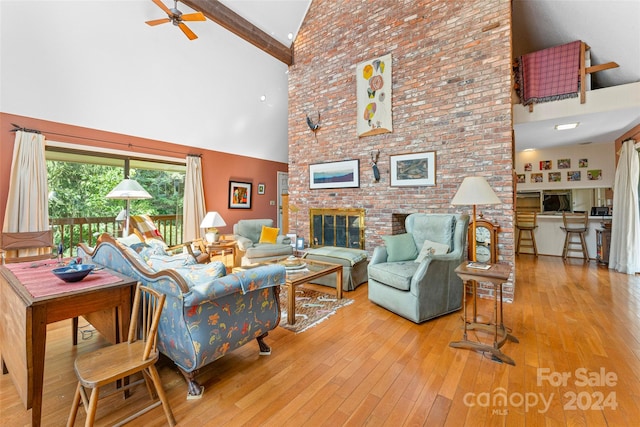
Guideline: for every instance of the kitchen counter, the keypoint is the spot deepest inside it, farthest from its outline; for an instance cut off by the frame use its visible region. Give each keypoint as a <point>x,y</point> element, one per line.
<point>550,237</point>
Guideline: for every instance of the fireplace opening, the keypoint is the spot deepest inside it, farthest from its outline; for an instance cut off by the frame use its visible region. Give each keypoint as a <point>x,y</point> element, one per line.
<point>337,227</point>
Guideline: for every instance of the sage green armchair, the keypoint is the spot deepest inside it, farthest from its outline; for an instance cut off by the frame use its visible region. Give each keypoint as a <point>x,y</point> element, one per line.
<point>413,274</point>
<point>252,248</point>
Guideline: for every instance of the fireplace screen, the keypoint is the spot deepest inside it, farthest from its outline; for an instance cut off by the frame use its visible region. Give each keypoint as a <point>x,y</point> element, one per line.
<point>337,227</point>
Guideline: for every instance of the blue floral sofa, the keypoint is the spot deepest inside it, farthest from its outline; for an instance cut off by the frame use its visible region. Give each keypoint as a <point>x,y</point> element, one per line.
<point>208,313</point>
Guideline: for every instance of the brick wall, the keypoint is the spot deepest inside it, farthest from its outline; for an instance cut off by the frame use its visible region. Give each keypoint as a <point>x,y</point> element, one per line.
<point>451,94</point>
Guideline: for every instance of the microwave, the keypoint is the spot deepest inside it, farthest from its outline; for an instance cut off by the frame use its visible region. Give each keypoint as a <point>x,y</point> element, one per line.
<point>599,211</point>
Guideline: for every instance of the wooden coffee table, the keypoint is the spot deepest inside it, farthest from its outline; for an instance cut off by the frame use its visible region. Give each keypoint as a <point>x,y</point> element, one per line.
<point>313,270</point>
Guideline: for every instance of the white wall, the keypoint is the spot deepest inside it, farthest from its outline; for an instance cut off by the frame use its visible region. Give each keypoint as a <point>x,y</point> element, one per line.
<point>600,157</point>
<point>97,64</point>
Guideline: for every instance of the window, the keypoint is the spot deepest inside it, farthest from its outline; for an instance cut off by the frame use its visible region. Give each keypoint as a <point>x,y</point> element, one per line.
<point>80,180</point>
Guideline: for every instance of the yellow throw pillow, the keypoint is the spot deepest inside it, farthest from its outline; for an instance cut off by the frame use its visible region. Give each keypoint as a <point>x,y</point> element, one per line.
<point>269,234</point>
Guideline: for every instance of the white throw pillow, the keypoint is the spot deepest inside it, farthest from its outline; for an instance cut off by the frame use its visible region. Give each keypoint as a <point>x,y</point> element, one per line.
<point>432,248</point>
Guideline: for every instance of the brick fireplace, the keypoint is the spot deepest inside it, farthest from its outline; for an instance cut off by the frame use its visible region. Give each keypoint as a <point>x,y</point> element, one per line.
<point>451,94</point>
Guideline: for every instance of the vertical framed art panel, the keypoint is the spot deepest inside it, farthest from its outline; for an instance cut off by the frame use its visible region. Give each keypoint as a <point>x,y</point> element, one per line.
<point>373,86</point>
<point>239,195</point>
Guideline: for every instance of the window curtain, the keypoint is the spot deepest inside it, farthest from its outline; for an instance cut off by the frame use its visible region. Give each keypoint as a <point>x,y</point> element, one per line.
<point>27,203</point>
<point>194,210</point>
<point>624,253</point>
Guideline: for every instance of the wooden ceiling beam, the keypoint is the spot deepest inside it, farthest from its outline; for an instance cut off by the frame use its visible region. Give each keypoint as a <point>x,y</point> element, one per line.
<point>228,19</point>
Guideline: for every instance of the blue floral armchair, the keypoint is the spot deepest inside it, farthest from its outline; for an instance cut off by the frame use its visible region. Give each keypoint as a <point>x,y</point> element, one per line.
<point>207,312</point>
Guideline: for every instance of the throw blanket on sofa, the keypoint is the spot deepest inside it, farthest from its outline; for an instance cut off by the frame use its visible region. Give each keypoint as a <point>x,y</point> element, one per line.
<point>549,74</point>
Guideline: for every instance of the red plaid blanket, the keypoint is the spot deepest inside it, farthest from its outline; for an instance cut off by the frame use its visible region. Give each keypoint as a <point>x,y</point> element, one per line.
<point>549,74</point>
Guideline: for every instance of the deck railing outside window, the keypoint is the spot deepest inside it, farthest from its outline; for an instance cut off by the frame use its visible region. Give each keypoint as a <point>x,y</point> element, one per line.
<point>71,231</point>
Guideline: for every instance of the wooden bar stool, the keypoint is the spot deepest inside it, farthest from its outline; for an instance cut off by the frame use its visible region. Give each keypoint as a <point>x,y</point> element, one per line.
<point>575,225</point>
<point>526,222</point>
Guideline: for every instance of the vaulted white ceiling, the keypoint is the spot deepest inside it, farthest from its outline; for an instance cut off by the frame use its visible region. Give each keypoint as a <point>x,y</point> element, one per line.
<point>96,64</point>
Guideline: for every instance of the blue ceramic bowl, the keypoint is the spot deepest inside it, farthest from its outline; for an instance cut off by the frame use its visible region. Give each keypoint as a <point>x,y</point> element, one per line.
<point>73,273</point>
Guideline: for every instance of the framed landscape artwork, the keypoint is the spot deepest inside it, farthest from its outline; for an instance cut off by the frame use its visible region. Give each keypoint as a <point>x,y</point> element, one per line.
<point>344,174</point>
<point>415,169</point>
<point>239,195</point>
<point>373,87</point>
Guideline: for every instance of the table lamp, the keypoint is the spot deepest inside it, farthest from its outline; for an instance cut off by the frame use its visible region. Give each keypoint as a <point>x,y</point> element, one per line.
<point>474,190</point>
<point>128,190</point>
<point>210,222</point>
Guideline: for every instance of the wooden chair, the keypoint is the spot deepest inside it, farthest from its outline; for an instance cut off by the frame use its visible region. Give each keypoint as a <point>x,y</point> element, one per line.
<point>114,363</point>
<point>36,241</point>
<point>575,225</point>
<point>526,223</point>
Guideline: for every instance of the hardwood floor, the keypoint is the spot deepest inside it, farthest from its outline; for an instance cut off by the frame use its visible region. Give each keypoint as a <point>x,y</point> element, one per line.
<point>577,363</point>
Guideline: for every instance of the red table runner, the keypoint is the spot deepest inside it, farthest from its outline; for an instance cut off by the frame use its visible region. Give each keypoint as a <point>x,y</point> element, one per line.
<point>39,281</point>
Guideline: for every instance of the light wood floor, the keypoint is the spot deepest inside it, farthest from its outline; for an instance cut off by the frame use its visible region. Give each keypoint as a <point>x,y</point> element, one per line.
<point>367,366</point>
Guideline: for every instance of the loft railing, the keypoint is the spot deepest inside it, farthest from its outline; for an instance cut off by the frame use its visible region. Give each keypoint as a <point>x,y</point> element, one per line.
<point>71,231</point>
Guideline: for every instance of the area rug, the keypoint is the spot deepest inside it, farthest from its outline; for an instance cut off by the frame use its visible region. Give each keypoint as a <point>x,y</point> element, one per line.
<point>312,307</point>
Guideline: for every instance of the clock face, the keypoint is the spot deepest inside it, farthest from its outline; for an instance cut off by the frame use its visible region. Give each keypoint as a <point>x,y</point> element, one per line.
<point>483,235</point>
<point>483,254</point>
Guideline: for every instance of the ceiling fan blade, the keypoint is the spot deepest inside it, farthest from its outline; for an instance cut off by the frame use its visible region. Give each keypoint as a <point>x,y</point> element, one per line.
<point>163,7</point>
<point>198,16</point>
<point>158,21</point>
<point>187,32</point>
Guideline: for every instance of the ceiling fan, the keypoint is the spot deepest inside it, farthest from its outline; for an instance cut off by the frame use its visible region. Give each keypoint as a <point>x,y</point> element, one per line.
<point>176,18</point>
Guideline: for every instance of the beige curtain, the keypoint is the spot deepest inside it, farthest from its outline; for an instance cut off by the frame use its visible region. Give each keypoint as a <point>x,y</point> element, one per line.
<point>194,209</point>
<point>27,202</point>
<point>624,253</point>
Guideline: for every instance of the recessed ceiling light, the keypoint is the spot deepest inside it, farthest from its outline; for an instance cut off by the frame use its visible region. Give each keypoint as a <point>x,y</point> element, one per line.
<point>263,98</point>
<point>290,36</point>
<point>567,126</point>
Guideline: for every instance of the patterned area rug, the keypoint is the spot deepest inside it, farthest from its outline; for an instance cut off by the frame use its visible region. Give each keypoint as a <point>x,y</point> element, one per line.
<point>312,307</point>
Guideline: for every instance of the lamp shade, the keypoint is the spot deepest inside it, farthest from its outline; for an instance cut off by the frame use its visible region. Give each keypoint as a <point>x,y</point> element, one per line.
<point>128,189</point>
<point>122,215</point>
<point>475,190</point>
<point>212,220</point>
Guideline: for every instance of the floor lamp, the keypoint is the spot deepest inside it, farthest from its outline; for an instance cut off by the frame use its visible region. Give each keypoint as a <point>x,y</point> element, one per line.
<point>474,190</point>
<point>128,190</point>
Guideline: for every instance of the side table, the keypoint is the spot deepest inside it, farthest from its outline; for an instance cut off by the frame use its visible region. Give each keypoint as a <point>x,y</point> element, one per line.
<point>223,248</point>
<point>496,274</point>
